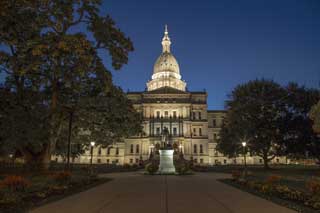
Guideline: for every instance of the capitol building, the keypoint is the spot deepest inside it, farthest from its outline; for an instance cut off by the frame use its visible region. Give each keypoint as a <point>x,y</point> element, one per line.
<point>167,104</point>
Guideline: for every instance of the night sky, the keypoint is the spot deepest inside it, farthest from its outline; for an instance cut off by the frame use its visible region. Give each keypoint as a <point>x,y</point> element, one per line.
<point>221,43</point>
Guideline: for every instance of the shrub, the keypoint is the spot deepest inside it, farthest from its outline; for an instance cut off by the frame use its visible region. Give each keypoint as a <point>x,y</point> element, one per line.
<point>62,177</point>
<point>313,186</point>
<point>236,174</point>
<point>151,168</point>
<point>290,194</point>
<point>273,179</point>
<point>182,168</point>
<point>15,183</point>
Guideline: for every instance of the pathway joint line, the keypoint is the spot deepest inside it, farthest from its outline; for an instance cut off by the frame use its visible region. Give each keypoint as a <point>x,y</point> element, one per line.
<point>166,193</point>
<point>220,203</point>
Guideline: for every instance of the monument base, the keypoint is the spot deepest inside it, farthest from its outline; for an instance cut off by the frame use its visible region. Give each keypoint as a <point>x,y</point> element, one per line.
<point>166,162</point>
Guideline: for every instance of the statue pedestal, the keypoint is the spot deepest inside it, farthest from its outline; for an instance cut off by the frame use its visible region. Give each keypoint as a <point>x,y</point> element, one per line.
<point>166,162</point>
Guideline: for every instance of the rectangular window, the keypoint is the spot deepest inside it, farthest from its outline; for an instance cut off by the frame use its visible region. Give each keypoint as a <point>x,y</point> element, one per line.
<point>201,160</point>
<point>117,160</point>
<point>200,132</point>
<point>174,114</point>
<point>166,114</point>
<point>158,114</point>
<point>99,160</point>
<point>214,136</point>
<point>194,132</point>
<point>117,151</point>
<point>201,148</point>
<point>214,123</point>
<point>108,161</point>
<point>174,131</point>
<point>193,115</point>
<point>99,151</point>
<point>199,115</point>
<point>225,161</point>
<point>195,148</point>
<point>137,148</point>
<point>158,130</point>
<point>131,148</point>
<point>131,160</point>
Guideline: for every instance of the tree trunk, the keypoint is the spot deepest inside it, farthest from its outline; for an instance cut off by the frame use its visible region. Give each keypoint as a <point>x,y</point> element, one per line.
<point>265,161</point>
<point>37,161</point>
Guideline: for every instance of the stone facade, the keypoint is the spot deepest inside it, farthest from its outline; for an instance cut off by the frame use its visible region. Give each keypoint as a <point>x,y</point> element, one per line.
<point>167,103</point>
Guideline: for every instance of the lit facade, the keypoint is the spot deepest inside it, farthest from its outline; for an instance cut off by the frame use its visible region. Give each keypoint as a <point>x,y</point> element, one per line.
<point>167,103</point>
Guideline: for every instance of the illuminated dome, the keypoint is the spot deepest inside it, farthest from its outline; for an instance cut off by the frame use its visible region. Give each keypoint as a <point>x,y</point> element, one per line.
<point>166,72</point>
<point>166,63</point>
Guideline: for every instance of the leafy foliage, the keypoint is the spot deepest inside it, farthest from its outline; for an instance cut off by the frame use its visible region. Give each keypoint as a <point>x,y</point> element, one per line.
<point>315,116</point>
<point>52,55</point>
<point>272,119</point>
<point>255,113</point>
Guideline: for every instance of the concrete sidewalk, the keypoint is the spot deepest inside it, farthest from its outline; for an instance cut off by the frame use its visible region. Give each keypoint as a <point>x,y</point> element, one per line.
<point>135,192</point>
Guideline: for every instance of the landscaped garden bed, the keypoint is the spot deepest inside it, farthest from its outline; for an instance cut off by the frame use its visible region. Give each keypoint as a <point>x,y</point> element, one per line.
<point>19,193</point>
<point>277,189</point>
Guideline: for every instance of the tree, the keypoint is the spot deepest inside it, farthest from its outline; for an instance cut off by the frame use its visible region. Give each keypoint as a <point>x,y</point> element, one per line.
<point>53,48</point>
<point>105,118</point>
<point>299,138</point>
<point>254,114</point>
<point>315,117</point>
<point>23,124</point>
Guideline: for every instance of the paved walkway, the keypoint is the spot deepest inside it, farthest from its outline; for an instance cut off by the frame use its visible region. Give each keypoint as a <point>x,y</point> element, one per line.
<point>135,192</point>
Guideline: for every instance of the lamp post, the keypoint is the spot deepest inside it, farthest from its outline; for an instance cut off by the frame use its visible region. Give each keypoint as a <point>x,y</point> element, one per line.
<point>180,150</point>
<point>191,157</point>
<point>244,144</point>
<point>151,151</point>
<point>11,159</point>
<point>92,143</point>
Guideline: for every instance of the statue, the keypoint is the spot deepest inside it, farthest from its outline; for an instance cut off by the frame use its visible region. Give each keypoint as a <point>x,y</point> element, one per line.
<point>166,154</point>
<point>165,138</point>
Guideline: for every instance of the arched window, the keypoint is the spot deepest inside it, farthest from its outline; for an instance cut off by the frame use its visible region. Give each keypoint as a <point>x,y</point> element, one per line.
<point>99,151</point>
<point>108,150</point>
<point>131,148</point>
<point>137,148</point>
<point>201,148</point>
<point>195,148</point>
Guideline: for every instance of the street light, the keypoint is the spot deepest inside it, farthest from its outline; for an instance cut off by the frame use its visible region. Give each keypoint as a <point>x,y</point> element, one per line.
<point>244,144</point>
<point>92,143</point>
<point>12,159</point>
<point>180,150</point>
<point>151,151</point>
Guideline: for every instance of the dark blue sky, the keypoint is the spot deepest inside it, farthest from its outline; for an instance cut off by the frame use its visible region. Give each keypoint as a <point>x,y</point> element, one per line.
<point>221,43</point>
